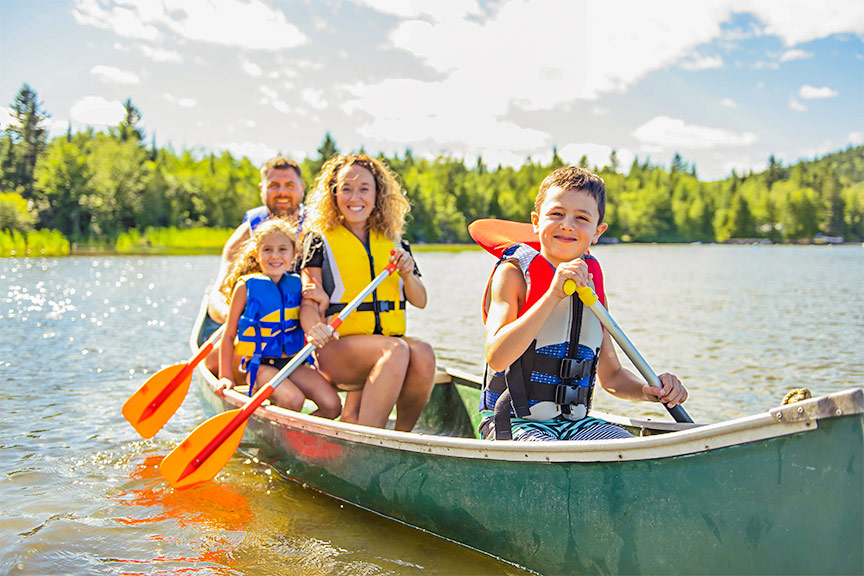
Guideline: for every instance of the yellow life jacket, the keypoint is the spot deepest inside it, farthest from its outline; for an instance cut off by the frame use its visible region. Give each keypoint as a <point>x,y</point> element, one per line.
<point>349,266</point>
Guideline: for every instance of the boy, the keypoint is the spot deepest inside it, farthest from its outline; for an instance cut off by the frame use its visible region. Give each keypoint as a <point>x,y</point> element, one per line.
<point>544,347</point>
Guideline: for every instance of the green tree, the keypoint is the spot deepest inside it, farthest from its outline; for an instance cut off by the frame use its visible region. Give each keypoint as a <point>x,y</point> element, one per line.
<point>128,129</point>
<point>28,136</point>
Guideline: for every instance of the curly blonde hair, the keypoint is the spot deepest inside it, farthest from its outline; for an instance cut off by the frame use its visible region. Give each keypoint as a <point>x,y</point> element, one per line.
<point>246,261</point>
<point>391,204</point>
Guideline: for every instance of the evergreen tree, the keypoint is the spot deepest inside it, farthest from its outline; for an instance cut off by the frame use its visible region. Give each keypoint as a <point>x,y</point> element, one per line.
<point>28,136</point>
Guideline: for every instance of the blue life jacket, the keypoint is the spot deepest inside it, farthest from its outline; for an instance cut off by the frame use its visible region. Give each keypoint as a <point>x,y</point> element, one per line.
<point>256,216</point>
<point>270,323</point>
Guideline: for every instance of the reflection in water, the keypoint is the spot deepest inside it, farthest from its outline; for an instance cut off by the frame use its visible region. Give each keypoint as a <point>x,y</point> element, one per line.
<point>217,511</point>
<point>80,491</point>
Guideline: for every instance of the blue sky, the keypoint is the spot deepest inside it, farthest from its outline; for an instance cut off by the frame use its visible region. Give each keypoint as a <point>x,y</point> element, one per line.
<point>725,83</point>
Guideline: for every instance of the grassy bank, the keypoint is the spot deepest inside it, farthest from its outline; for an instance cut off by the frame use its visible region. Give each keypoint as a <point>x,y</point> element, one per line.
<point>34,243</point>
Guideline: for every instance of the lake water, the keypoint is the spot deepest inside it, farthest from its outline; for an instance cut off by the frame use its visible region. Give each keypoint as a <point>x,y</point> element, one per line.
<point>81,495</point>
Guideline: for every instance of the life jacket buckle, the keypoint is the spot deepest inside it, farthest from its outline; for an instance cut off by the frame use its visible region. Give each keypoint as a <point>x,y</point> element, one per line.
<point>383,306</point>
<point>572,369</point>
<point>571,395</point>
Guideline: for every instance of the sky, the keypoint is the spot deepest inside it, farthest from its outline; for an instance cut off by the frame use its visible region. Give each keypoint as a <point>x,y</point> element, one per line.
<point>724,83</point>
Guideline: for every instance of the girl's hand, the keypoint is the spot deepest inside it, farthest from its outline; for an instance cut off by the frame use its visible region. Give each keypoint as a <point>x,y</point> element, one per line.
<point>224,384</point>
<point>576,270</point>
<point>403,261</point>
<point>321,334</point>
<point>672,393</point>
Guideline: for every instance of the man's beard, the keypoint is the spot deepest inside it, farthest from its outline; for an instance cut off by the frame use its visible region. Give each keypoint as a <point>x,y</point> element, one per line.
<point>281,210</point>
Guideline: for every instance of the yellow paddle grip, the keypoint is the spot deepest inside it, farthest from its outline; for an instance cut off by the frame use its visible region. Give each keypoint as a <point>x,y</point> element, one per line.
<point>586,294</point>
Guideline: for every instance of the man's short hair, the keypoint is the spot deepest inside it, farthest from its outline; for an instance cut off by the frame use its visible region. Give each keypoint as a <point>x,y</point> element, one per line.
<point>574,178</point>
<point>279,163</point>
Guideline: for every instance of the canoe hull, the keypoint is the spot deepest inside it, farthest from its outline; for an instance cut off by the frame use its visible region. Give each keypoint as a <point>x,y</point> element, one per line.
<point>789,504</point>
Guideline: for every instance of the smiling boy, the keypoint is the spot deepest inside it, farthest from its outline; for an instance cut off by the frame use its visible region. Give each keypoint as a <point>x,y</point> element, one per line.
<point>544,349</point>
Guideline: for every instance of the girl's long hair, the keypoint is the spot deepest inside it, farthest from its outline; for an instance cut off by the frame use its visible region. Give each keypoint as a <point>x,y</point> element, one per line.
<point>391,204</point>
<point>246,261</point>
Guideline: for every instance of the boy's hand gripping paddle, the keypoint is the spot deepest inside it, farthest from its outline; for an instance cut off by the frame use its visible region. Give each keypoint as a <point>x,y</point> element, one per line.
<point>209,447</point>
<point>153,404</point>
<point>586,294</point>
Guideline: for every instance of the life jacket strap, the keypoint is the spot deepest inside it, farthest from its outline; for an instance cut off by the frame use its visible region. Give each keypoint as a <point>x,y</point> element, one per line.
<point>376,306</point>
<point>567,369</point>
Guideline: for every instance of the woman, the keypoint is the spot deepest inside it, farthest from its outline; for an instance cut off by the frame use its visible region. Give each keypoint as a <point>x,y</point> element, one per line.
<point>356,218</point>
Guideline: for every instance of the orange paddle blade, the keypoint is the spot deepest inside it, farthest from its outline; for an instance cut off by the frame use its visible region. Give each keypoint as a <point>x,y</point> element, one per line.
<point>148,409</point>
<point>180,467</point>
<point>498,235</point>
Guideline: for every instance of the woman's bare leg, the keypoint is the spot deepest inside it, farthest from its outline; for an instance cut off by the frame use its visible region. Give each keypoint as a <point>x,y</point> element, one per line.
<point>419,382</point>
<point>376,363</point>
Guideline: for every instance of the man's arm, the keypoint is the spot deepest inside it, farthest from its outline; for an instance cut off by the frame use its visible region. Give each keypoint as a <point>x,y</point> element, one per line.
<point>217,305</point>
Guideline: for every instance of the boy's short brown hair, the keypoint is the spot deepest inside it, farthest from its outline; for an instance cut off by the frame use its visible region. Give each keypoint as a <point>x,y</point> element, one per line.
<point>280,163</point>
<point>574,178</point>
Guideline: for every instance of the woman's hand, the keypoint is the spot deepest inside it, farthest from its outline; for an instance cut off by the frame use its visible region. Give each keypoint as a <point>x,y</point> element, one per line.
<point>403,261</point>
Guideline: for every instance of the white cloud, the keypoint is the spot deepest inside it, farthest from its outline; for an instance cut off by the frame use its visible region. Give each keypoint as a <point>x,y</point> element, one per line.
<point>729,103</point>
<point>809,92</point>
<point>705,63</point>
<point>800,21</point>
<point>159,54</point>
<point>256,152</point>
<point>315,98</point>
<point>427,9</point>
<point>96,111</point>
<point>674,133</point>
<point>796,105</point>
<point>249,24</point>
<point>125,22</point>
<point>115,75</point>
<point>180,101</point>
<point>795,54</point>
<point>855,138</point>
<point>272,98</point>
<point>252,69</point>
<point>6,118</point>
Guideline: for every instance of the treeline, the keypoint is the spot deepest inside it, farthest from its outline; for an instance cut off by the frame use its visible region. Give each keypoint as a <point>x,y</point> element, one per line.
<point>94,187</point>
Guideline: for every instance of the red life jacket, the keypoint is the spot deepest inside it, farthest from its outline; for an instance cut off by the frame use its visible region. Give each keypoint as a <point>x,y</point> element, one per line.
<point>555,375</point>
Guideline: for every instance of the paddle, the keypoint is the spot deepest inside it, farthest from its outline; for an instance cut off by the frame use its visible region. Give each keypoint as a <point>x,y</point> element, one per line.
<point>589,298</point>
<point>153,404</point>
<point>209,447</point>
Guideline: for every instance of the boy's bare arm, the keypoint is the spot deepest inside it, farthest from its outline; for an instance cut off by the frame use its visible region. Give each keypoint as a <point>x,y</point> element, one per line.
<point>507,334</point>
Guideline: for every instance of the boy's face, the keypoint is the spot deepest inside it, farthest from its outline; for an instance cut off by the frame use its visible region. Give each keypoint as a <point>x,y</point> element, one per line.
<point>567,224</point>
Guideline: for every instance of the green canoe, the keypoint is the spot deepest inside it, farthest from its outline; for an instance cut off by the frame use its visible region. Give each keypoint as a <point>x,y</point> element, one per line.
<point>781,492</point>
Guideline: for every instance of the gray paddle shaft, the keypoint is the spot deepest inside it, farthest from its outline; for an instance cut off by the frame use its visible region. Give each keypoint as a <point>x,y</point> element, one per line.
<point>304,352</point>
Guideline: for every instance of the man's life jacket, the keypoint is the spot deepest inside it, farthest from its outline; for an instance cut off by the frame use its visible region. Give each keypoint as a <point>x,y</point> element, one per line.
<point>270,323</point>
<point>259,215</point>
<point>556,374</point>
<point>349,266</point>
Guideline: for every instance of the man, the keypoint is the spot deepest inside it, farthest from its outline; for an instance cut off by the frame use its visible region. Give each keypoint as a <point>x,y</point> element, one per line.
<point>282,192</point>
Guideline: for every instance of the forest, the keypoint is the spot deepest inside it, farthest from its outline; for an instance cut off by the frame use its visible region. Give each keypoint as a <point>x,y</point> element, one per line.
<point>114,188</point>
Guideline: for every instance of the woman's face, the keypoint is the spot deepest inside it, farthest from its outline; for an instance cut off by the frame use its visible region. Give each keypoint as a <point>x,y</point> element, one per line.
<point>355,195</point>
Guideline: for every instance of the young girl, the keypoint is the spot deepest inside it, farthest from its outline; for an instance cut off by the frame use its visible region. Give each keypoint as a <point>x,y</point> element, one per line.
<point>263,327</point>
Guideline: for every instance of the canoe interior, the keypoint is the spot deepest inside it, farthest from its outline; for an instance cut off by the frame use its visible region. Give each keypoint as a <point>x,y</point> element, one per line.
<point>452,409</point>
<point>780,492</point>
